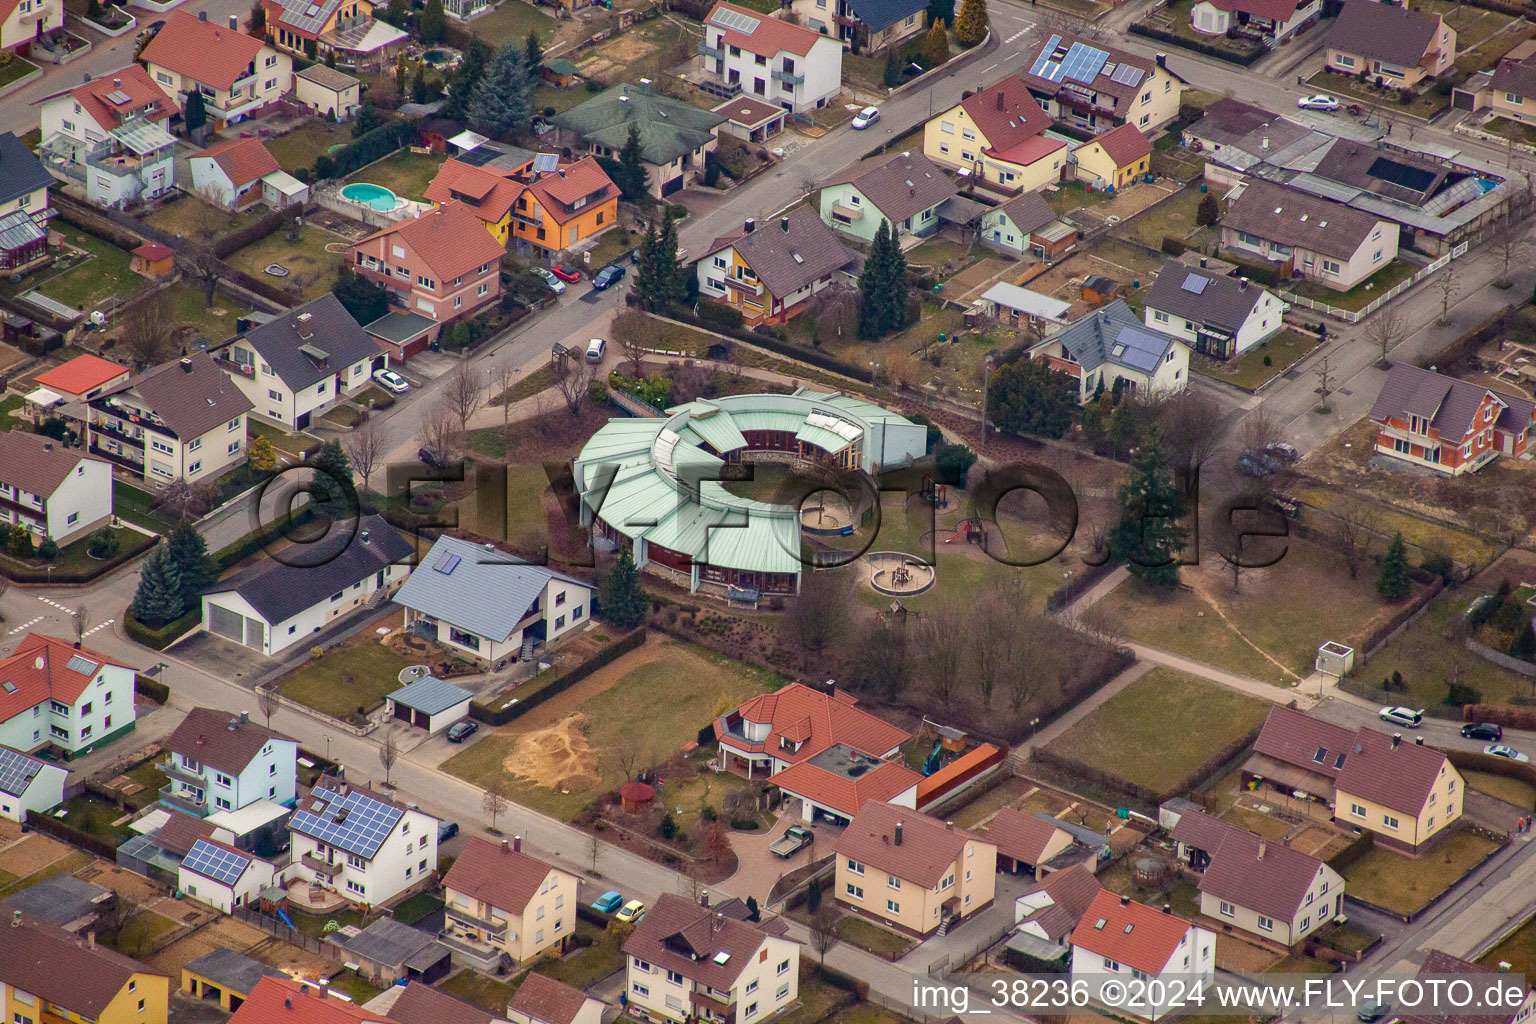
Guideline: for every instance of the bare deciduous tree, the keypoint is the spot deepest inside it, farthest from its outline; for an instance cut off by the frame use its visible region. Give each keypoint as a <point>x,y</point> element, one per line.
<point>1357,525</point>
<point>594,849</point>
<point>1190,424</point>
<point>1259,432</point>
<point>437,429</point>
<point>944,636</point>
<point>628,754</point>
<point>835,312</point>
<point>1511,243</point>
<point>80,621</point>
<point>1325,382</point>
<point>148,328</point>
<point>1448,293</point>
<point>818,616</point>
<point>503,377</point>
<point>463,392</point>
<point>365,446</point>
<point>575,383</point>
<point>629,330</point>
<point>494,802</point>
<point>824,937</point>
<point>389,753</point>
<point>266,703</point>
<point>1385,330</point>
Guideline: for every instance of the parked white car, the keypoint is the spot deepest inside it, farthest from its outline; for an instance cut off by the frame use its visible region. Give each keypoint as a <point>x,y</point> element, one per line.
<point>1510,753</point>
<point>866,117</point>
<point>596,349</point>
<point>1406,717</point>
<point>392,381</point>
<point>1321,101</point>
<point>555,284</point>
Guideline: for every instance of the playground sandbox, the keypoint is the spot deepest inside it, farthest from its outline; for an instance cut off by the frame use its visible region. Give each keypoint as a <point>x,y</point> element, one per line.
<point>827,519</point>
<point>899,574</point>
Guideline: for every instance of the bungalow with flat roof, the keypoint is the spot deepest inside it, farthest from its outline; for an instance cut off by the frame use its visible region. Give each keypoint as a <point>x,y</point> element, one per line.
<point>487,604</point>
<point>772,731</point>
<point>1021,308</point>
<point>912,872</point>
<point>1394,46</point>
<point>904,191</point>
<point>272,605</point>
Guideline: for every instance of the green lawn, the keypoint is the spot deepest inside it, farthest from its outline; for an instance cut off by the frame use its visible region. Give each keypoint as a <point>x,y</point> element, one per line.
<point>588,966</point>
<point>299,147</point>
<point>612,245</point>
<point>311,269</point>
<point>1174,217</point>
<point>191,218</point>
<point>1175,18</point>
<point>1266,612</point>
<point>946,257</point>
<point>475,988</point>
<point>1362,294</point>
<point>668,695</point>
<point>1425,105</point>
<point>1511,791</point>
<point>216,322</point>
<point>74,557</point>
<point>1427,656</point>
<point>1406,885</point>
<point>1072,195</point>
<point>1517,130</point>
<point>314,924</point>
<point>1518,950</point>
<point>1487,53</point>
<point>518,513</point>
<point>882,942</point>
<point>417,907</point>
<point>404,173</point>
<point>102,277</point>
<point>1146,735</point>
<point>510,23</point>
<point>547,97</point>
<point>139,933</point>
<point>287,443</point>
<point>15,69</point>
<point>356,673</point>
<point>1260,364</point>
<point>8,407</point>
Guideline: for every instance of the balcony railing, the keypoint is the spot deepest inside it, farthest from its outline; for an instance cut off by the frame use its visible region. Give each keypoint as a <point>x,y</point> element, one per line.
<point>112,429</point>
<point>755,287</point>
<point>324,868</point>
<point>183,801</point>
<point>176,771</point>
<point>118,458</point>
<point>711,51</point>
<point>789,78</point>
<point>470,919</point>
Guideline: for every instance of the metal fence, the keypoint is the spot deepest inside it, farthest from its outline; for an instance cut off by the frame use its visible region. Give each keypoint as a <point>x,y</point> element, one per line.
<point>1354,316</point>
<point>275,927</point>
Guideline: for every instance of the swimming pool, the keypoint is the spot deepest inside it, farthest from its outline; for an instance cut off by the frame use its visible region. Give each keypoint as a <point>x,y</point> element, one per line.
<point>376,196</point>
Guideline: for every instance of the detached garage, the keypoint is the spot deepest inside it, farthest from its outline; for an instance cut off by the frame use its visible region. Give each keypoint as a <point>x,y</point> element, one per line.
<point>430,704</point>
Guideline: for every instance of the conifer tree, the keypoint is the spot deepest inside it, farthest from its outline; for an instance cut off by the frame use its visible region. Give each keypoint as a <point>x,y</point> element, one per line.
<point>158,598</point>
<point>936,46</point>
<point>503,99</point>
<point>622,599</point>
<point>1149,536</point>
<point>1393,582</point>
<point>971,24</point>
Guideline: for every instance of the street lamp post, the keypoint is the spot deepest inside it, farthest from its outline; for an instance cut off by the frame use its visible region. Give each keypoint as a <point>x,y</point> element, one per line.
<point>986,385</point>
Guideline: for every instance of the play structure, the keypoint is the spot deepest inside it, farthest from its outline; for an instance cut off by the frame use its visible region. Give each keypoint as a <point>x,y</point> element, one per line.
<point>898,574</point>
<point>972,530</point>
<point>827,518</point>
<point>935,494</point>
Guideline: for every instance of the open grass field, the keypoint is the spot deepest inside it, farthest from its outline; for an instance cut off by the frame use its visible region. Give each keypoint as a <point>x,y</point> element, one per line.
<point>1362,294</point>
<point>1261,631</point>
<point>140,932</point>
<point>191,218</point>
<point>511,22</point>
<point>310,268</point>
<point>404,173</point>
<point>475,988</point>
<point>1511,791</point>
<point>355,673</point>
<point>216,322</point>
<point>1518,950</point>
<point>556,757</point>
<point>96,279</point>
<point>1146,734</point>
<point>1405,885</point>
<point>1427,657</point>
<point>299,147</point>
<point>1260,364</point>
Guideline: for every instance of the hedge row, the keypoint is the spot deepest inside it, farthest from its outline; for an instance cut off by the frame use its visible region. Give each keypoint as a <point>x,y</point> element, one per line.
<point>1358,847</point>
<point>501,715</point>
<point>1500,714</point>
<point>159,638</point>
<point>772,344</point>
<point>252,232</point>
<point>1173,38</point>
<point>17,572</point>
<point>262,536</point>
<point>71,835</point>
<point>375,145</point>
<point>151,689</point>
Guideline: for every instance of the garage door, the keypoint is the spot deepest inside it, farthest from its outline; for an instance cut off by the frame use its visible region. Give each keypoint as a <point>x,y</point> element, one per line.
<point>226,623</point>
<point>255,633</point>
<point>675,185</point>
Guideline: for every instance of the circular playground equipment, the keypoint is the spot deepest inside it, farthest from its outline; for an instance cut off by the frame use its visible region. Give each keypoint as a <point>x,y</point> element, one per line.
<point>898,574</point>
<point>827,519</point>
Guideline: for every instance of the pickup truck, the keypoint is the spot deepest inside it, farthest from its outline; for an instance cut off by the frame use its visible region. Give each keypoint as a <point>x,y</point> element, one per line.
<point>792,842</point>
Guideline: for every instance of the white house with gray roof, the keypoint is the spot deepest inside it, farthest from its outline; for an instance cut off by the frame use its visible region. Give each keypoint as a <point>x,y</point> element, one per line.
<point>486,604</point>
<point>299,365</point>
<point>905,190</point>
<point>1110,343</point>
<point>275,604</point>
<point>1217,316</point>
<point>364,846</point>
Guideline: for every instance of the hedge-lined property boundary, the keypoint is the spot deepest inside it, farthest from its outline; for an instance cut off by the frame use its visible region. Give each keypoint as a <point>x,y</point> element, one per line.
<point>558,682</point>
<point>159,638</point>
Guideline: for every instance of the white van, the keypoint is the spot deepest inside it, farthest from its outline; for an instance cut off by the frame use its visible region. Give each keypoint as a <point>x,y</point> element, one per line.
<point>596,348</point>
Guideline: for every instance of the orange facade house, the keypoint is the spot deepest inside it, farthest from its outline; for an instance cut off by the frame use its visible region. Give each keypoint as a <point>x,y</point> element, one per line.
<point>561,207</point>
<point>442,264</point>
<point>1448,425</point>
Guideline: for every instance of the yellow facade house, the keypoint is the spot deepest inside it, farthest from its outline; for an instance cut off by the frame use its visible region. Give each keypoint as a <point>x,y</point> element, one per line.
<point>238,74</point>
<point>912,872</point>
<point>501,904</point>
<point>996,136</point>
<point>1115,159</point>
<point>48,976</point>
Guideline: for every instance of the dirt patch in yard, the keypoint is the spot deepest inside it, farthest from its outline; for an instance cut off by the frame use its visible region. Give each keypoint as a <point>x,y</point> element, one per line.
<point>129,886</point>
<point>557,756</point>
<point>226,933</point>
<point>31,855</point>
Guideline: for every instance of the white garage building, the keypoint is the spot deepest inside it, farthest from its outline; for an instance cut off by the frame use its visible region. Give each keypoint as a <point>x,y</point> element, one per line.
<point>429,704</point>
<point>272,606</point>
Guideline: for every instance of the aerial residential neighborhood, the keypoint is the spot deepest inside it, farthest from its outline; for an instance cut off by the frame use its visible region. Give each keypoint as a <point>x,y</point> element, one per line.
<point>751,512</point>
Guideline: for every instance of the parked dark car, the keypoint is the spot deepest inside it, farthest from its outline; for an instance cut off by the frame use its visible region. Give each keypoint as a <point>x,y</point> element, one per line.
<point>609,275</point>
<point>1285,453</point>
<point>429,457</point>
<point>458,732</point>
<point>1372,1011</point>
<point>446,830</point>
<point>1257,464</point>
<point>1483,731</point>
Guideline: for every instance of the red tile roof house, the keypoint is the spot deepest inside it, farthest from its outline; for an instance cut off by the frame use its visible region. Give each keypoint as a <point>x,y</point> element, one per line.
<point>1276,894</point>
<point>63,696</point>
<point>1049,909</point>
<point>1395,46</point>
<point>285,1001</point>
<point>109,134</point>
<point>1407,794</point>
<point>1448,425</point>
<point>1269,21</point>
<point>239,75</point>
<point>772,731</point>
<point>543,1000</point>
<point>1119,940</point>
<point>229,172</point>
<point>442,264</point>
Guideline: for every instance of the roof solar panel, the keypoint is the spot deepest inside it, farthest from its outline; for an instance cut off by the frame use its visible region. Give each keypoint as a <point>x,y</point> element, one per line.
<point>447,564</point>
<point>214,862</point>
<point>117,97</point>
<point>16,771</point>
<point>1045,55</point>
<point>1083,62</point>
<point>1052,71</point>
<point>1127,74</point>
<point>83,665</point>
<point>735,20</point>
<point>1195,284</point>
<point>356,822</point>
<point>1402,174</point>
<point>543,163</point>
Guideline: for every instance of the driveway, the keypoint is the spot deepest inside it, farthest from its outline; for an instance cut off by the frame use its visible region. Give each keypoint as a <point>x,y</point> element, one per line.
<point>1490,812</point>
<point>757,870</point>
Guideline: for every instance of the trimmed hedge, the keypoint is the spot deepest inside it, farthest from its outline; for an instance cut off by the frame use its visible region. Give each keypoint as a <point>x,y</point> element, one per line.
<point>252,232</point>
<point>18,573</point>
<point>259,538</point>
<point>151,689</point>
<point>71,835</point>
<point>162,637</point>
<point>1500,714</point>
<point>1258,273</point>
<point>501,716</point>
<point>816,359</point>
<point>1358,847</point>
<point>1174,39</point>
<point>375,145</point>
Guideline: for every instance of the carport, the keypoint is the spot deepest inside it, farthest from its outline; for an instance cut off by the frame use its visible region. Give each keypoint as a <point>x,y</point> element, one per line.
<point>430,704</point>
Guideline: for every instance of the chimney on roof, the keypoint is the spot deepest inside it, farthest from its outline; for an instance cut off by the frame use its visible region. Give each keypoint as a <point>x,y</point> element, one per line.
<point>15,919</point>
<point>831,687</point>
<point>234,23</point>
<point>949,825</point>
<point>704,898</point>
<point>1125,901</point>
<point>1263,849</point>
<point>1418,741</point>
<point>364,536</point>
<point>117,83</point>
<point>750,226</point>
<point>999,99</point>
<point>87,76</point>
<point>287,1004</point>
<point>1167,908</point>
<point>505,846</point>
<point>517,844</point>
<point>202,15</point>
<point>1397,738</point>
<point>1162,61</point>
<point>1202,262</point>
<point>719,921</point>
<point>302,325</point>
<point>1504,965</point>
<point>199,739</point>
<point>325,987</point>
<point>234,723</point>
<point>1242,284</point>
<point>1265,143</point>
<point>90,939</point>
<point>47,446</point>
<point>898,833</point>
<point>245,718</point>
<point>784,224</point>
<point>186,365</point>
